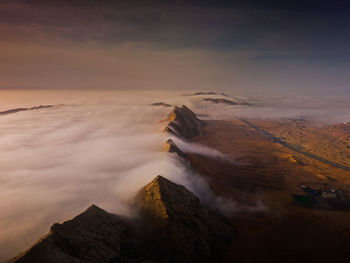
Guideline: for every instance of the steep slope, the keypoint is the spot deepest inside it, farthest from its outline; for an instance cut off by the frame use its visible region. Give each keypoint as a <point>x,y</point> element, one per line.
<point>173,227</point>
<point>186,231</point>
<point>171,147</point>
<point>93,236</point>
<point>183,123</point>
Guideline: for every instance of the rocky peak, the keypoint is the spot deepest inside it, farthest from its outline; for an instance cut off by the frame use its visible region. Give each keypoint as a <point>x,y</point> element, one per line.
<point>173,227</point>
<point>183,123</point>
<point>171,147</point>
<point>93,236</point>
<point>186,231</point>
<point>164,200</point>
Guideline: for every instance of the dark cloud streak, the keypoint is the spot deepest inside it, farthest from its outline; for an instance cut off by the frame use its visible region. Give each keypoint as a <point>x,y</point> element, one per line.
<point>260,37</point>
<point>216,26</point>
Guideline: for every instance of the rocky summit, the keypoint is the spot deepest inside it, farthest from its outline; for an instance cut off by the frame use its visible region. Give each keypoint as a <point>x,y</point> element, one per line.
<point>183,123</point>
<point>186,231</point>
<point>171,147</point>
<point>93,236</point>
<point>172,227</point>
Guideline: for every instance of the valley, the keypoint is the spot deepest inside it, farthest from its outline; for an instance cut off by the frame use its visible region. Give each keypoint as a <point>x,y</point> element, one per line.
<point>262,179</point>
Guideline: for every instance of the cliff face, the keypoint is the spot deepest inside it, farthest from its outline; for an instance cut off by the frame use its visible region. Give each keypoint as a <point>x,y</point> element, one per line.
<point>186,230</point>
<point>93,236</point>
<point>183,123</point>
<point>173,227</point>
<point>171,147</point>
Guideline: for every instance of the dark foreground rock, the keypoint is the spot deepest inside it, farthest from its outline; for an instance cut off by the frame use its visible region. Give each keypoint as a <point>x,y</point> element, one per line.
<point>93,236</point>
<point>171,147</point>
<point>186,231</point>
<point>183,123</point>
<point>173,227</point>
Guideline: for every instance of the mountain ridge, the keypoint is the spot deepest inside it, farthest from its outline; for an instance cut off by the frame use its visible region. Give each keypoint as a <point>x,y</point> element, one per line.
<point>173,227</point>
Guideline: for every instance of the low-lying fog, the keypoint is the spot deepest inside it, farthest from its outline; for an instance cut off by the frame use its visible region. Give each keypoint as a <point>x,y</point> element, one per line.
<point>327,110</point>
<point>98,147</point>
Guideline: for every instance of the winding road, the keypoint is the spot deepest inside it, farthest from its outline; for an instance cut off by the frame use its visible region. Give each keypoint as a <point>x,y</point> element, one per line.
<point>296,149</point>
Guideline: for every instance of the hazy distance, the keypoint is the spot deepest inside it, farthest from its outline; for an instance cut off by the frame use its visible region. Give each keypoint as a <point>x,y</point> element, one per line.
<point>247,47</point>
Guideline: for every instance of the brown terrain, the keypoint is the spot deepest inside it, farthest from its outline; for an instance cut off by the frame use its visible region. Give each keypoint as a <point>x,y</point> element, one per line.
<point>328,141</point>
<point>264,172</point>
<point>172,226</point>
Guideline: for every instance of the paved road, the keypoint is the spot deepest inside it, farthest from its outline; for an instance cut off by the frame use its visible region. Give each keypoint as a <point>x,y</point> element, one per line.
<point>296,149</point>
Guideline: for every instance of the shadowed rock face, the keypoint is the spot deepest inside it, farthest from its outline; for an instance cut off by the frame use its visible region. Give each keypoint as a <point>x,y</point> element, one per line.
<point>186,230</point>
<point>174,227</point>
<point>171,147</point>
<point>93,236</point>
<point>183,123</point>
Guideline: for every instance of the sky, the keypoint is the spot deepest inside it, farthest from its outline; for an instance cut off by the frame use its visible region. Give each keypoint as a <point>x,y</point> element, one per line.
<point>246,47</point>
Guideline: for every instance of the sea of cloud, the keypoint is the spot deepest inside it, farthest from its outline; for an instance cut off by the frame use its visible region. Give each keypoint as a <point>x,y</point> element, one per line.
<point>101,148</point>
<point>96,148</point>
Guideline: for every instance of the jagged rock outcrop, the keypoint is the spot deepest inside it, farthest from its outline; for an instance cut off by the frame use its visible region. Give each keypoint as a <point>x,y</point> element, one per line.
<point>93,236</point>
<point>173,227</point>
<point>171,147</point>
<point>186,231</point>
<point>183,123</point>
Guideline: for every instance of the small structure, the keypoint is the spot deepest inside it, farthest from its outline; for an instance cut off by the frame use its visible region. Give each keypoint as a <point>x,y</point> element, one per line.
<point>325,198</point>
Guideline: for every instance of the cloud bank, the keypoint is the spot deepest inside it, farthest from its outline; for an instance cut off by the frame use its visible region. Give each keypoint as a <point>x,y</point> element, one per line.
<point>98,148</point>
<point>322,109</point>
<point>101,148</point>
